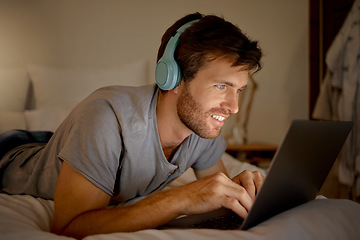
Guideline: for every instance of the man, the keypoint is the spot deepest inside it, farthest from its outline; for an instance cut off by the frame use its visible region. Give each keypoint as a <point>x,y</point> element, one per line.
<point>122,145</point>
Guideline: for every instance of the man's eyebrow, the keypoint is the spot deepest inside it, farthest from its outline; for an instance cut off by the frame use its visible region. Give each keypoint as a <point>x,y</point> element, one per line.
<point>226,83</point>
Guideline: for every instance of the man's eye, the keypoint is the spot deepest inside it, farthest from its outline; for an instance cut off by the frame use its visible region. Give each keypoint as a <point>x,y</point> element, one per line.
<point>220,86</point>
<point>241,89</point>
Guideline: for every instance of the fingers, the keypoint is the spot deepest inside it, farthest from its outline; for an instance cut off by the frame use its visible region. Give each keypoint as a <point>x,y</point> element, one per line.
<point>251,181</point>
<point>232,196</point>
<point>237,197</point>
<point>235,206</point>
<point>213,192</point>
<point>258,180</point>
<point>240,202</point>
<point>239,193</point>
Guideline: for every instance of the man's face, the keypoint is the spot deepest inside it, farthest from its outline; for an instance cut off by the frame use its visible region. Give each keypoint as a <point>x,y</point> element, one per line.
<point>206,101</point>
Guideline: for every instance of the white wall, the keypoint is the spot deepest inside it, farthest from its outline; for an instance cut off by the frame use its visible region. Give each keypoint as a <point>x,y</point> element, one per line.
<point>111,32</point>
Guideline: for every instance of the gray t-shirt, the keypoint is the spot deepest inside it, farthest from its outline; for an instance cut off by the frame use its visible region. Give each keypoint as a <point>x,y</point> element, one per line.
<point>111,138</point>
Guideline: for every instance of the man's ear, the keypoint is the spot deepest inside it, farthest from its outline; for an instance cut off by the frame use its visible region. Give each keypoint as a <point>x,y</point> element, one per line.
<point>178,88</point>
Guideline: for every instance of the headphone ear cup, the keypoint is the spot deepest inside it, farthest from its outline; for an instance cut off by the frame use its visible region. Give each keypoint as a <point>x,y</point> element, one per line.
<point>167,73</point>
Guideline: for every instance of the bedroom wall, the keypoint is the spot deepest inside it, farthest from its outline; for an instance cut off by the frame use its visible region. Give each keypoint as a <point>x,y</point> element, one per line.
<point>112,32</point>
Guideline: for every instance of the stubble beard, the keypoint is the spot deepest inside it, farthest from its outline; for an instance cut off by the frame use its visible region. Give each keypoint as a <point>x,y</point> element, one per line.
<point>194,117</point>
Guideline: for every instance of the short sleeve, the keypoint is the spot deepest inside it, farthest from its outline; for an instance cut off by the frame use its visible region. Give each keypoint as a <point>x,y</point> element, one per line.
<point>212,150</point>
<point>93,145</point>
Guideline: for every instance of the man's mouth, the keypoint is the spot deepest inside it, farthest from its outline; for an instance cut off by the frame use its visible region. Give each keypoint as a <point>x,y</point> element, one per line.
<point>218,117</point>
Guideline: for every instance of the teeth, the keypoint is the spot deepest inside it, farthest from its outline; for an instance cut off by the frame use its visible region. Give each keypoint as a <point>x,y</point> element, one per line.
<point>219,118</point>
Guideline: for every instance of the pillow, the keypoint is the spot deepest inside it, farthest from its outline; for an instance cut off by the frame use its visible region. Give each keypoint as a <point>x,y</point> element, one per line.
<point>52,85</point>
<point>47,119</point>
<point>14,87</point>
<point>11,120</point>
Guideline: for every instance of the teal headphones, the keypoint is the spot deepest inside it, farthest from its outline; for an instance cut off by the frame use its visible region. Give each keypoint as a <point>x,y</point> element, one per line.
<point>167,73</point>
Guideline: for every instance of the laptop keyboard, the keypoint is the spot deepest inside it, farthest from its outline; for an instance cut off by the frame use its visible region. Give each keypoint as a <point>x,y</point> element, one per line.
<point>227,222</point>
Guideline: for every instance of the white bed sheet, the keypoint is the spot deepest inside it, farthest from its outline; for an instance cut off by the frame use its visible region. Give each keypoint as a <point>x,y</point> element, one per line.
<point>26,217</point>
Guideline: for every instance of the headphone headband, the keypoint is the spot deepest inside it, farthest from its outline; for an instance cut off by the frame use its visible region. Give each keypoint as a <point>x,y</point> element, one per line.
<point>167,73</point>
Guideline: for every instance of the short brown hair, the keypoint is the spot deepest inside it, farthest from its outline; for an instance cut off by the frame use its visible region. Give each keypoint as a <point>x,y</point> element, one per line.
<point>208,39</point>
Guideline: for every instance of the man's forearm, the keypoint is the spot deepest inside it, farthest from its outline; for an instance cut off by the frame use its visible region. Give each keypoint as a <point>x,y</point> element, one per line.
<point>148,213</point>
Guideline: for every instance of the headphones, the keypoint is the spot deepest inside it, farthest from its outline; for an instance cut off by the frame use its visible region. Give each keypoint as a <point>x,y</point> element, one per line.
<point>167,73</point>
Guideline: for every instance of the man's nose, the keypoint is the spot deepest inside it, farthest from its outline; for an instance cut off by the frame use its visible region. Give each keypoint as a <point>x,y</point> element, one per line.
<point>232,102</point>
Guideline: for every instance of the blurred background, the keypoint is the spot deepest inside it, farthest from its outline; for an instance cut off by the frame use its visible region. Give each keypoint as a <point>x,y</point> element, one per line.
<point>96,33</point>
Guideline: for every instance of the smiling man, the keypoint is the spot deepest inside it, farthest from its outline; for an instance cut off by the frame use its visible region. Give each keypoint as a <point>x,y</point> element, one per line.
<point>216,88</point>
<point>123,144</point>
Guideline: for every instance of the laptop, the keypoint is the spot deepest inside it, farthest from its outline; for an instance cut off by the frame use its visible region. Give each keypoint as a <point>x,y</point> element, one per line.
<point>296,174</point>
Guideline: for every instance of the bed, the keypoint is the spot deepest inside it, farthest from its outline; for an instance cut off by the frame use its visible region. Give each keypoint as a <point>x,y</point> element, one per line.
<point>40,97</point>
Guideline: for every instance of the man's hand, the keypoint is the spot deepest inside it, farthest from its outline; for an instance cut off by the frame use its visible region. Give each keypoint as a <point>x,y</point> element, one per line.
<point>215,191</point>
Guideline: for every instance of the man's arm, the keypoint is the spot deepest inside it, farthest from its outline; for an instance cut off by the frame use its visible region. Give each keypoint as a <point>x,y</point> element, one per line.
<point>81,208</point>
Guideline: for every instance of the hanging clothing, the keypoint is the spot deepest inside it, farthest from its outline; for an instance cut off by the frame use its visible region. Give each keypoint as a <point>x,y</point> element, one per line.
<point>339,97</point>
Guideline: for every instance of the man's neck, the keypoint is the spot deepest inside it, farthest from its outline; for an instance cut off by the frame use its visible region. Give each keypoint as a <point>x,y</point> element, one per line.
<point>172,131</point>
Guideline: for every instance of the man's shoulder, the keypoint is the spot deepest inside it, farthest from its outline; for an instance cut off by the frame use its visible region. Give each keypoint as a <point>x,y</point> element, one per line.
<point>123,96</point>
<point>117,91</point>
<point>131,105</point>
